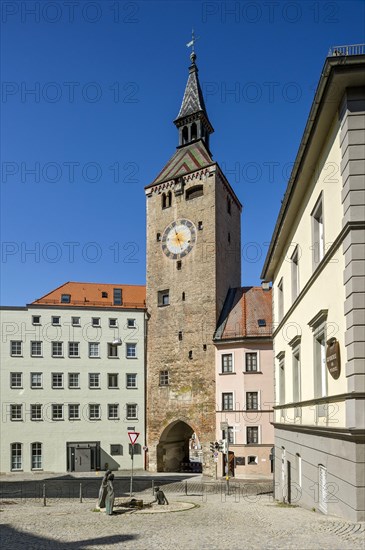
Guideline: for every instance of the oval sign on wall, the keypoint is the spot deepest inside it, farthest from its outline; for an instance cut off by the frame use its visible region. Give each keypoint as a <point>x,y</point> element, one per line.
<point>333,359</point>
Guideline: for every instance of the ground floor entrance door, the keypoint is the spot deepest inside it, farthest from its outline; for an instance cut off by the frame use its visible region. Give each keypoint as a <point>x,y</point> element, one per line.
<point>82,460</point>
<point>83,456</point>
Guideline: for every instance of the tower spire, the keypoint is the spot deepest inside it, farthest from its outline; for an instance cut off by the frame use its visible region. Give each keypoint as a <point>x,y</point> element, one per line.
<point>192,121</point>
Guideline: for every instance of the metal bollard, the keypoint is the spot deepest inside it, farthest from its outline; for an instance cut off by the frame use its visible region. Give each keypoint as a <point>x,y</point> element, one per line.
<point>80,492</point>
<point>153,488</point>
<point>186,488</point>
<point>44,495</point>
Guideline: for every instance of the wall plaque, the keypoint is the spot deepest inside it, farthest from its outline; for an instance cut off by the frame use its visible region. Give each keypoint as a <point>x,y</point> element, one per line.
<point>333,359</point>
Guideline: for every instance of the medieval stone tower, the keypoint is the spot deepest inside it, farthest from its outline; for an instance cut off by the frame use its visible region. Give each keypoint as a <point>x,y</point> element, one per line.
<point>193,258</point>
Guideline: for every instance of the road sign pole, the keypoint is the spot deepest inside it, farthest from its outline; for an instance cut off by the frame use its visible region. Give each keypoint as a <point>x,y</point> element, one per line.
<point>131,486</point>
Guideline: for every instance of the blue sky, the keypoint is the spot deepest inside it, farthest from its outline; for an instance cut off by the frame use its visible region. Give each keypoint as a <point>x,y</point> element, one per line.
<point>107,80</point>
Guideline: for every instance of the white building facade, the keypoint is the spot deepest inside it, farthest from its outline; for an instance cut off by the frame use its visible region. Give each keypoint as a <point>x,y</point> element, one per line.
<point>73,381</point>
<point>316,262</point>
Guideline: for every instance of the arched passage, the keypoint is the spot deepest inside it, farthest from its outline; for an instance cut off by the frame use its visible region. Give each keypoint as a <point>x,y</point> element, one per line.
<point>173,447</point>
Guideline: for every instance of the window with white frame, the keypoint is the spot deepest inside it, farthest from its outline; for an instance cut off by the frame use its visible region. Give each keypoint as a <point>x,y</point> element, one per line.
<point>94,349</point>
<point>113,380</point>
<point>57,412</point>
<point>36,380</point>
<point>36,456</point>
<point>94,411</point>
<point>227,363</point>
<point>57,349</point>
<point>252,435</point>
<point>296,375</point>
<point>36,349</point>
<point>94,380</point>
<point>75,321</point>
<point>229,435</point>
<point>73,380</point>
<point>131,351</point>
<point>252,400</point>
<point>56,321</point>
<point>112,351</point>
<point>16,412</point>
<point>16,348</point>
<point>57,380</point>
<point>36,411</point>
<point>131,411</point>
<point>318,326</point>
<point>280,296</point>
<point>251,362</point>
<point>73,349</point>
<point>131,323</point>
<point>131,380</point>
<point>16,456</point>
<point>95,321</point>
<point>113,411</point>
<point>318,244</point>
<point>164,378</point>
<point>36,319</point>
<point>16,379</point>
<point>113,323</point>
<point>74,411</point>
<point>295,274</point>
<point>227,401</point>
<point>281,376</point>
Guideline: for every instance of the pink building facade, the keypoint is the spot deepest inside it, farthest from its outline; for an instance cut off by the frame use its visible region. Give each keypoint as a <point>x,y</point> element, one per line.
<point>245,382</point>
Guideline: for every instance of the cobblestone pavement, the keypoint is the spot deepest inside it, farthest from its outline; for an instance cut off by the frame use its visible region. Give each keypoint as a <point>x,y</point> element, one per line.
<point>217,522</point>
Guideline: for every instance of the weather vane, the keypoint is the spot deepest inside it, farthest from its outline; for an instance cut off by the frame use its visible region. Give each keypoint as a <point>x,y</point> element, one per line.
<point>191,44</point>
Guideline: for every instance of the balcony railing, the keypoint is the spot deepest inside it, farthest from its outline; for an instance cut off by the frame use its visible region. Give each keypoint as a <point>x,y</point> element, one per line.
<point>91,303</point>
<point>353,49</point>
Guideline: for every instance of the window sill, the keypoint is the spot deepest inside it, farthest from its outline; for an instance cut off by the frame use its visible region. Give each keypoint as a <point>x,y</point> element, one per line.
<point>74,419</point>
<point>16,388</point>
<point>36,469</point>
<point>131,388</point>
<point>36,387</point>
<point>36,419</point>
<point>252,372</point>
<point>16,470</point>
<point>58,419</point>
<point>116,418</point>
<point>113,387</point>
<point>129,418</point>
<point>91,388</point>
<point>225,373</point>
<point>36,356</point>
<point>112,357</point>
<point>163,305</point>
<point>94,356</point>
<point>17,356</point>
<point>58,356</point>
<point>16,420</point>
<point>74,387</point>
<point>131,357</point>
<point>94,419</point>
<point>74,357</point>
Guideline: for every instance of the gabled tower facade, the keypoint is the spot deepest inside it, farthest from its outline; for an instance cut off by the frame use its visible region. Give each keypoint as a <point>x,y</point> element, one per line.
<point>193,259</point>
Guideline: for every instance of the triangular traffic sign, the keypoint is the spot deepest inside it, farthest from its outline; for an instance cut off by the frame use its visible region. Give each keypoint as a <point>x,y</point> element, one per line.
<point>133,436</point>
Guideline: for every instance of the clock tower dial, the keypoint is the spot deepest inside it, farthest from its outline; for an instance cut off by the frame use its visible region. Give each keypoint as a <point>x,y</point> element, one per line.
<point>178,239</point>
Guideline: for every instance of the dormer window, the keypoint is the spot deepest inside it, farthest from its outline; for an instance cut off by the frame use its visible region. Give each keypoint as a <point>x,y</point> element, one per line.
<point>104,294</point>
<point>117,296</point>
<point>65,298</point>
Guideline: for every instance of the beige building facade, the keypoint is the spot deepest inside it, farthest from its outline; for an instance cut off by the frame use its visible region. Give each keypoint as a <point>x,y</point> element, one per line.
<point>316,263</point>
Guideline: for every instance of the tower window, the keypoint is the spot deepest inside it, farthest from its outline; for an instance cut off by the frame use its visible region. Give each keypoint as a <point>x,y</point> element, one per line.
<point>163,200</point>
<point>180,335</point>
<point>178,265</point>
<point>185,134</point>
<point>104,294</point>
<point>204,347</point>
<point>228,205</point>
<point>193,131</point>
<point>158,237</point>
<point>194,192</point>
<point>163,298</point>
<point>200,226</point>
<point>168,199</point>
<point>229,237</point>
<point>190,354</point>
<point>183,296</point>
<point>164,377</point>
<point>261,322</point>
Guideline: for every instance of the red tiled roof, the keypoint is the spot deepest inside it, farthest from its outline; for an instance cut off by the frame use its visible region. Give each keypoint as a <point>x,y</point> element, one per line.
<point>249,305</point>
<point>90,295</point>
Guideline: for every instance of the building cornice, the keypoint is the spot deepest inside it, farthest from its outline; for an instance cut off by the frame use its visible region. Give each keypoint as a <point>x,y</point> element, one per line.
<point>348,434</point>
<point>321,400</point>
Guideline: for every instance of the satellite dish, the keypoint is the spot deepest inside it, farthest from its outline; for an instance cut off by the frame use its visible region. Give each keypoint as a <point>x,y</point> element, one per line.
<point>117,342</point>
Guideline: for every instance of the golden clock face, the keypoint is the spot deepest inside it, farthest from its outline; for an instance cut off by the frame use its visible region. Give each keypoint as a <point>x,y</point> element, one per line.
<point>178,239</point>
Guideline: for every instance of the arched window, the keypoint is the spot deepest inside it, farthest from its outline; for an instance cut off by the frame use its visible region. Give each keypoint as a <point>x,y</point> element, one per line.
<point>163,200</point>
<point>169,199</point>
<point>193,131</point>
<point>185,135</point>
<point>193,192</point>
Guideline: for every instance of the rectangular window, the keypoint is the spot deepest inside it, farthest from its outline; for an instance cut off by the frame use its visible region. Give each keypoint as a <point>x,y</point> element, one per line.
<point>65,298</point>
<point>16,456</point>
<point>252,460</point>
<point>116,449</point>
<point>131,411</point>
<point>281,381</point>
<point>73,380</point>
<point>296,376</point>
<point>75,321</point>
<point>36,349</point>
<point>95,321</point>
<point>131,380</point>
<point>16,380</point>
<point>94,380</point>
<point>280,295</point>
<point>113,323</point>
<point>94,412</point>
<point>74,412</point>
<point>117,296</point>
<point>112,350</point>
<point>317,233</point>
<point>113,411</point>
<point>227,363</point>
<point>16,412</point>
<point>112,380</point>
<point>251,362</point>
<point>36,380</point>
<point>73,349</point>
<point>57,349</point>
<point>131,350</point>
<point>36,411</point>
<point>56,321</point>
<point>16,348</point>
<point>57,412</point>
<point>252,434</point>
<point>320,369</point>
<point>57,380</point>
<point>295,274</point>
<point>164,377</point>
<point>131,323</point>
<point>36,319</point>
<point>94,349</point>
<point>227,401</point>
<point>36,456</point>
<point>229,435</point>
<point>163,298</point>
<point>252,400</point>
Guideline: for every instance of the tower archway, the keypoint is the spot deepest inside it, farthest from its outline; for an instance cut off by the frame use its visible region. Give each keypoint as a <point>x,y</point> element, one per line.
<point>173,447</point>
